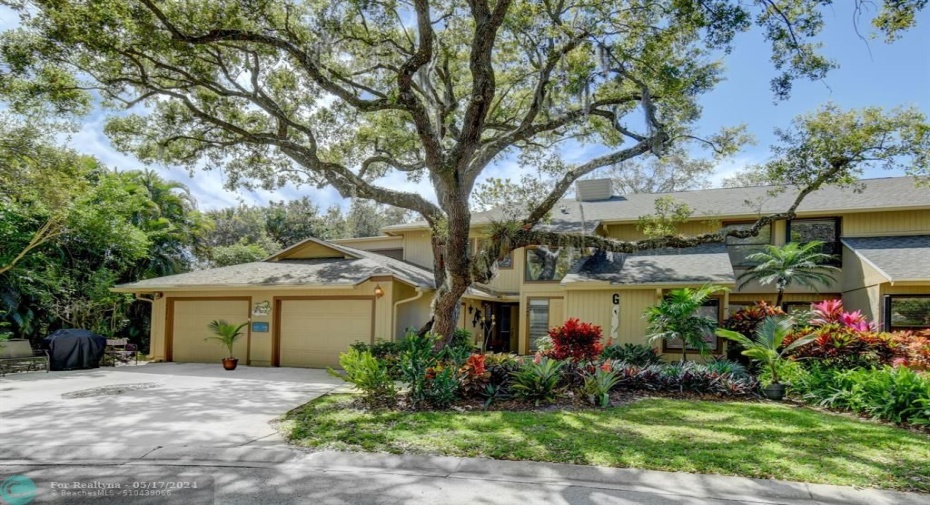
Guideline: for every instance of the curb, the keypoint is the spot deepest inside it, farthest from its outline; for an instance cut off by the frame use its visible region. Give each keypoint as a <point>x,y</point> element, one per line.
<point>701,486</point>
<point>698,486</point>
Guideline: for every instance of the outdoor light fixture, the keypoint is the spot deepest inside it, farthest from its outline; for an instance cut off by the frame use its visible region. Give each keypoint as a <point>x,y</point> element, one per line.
<point>378,291</point>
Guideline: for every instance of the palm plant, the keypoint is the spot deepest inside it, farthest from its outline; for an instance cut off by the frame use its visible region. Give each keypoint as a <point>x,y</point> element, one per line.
<point>226,333</point>
<point>766,347</point>
<point>677,317</point>
<point>792,263</point>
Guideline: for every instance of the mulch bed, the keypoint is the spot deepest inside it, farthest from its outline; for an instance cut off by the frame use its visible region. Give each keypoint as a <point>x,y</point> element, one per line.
<point>565,402</point>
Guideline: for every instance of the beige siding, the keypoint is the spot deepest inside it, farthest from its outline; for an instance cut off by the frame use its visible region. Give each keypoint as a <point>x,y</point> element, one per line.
<point>418,249</point>
<point>905,222</point>
<point>372,243</point>
<point>312,250</point>
<point>857,273</point>
<point>509,279</point>
<point>629,231</point>
<point>157,330</point>
<point>410,314</point>
<point>867,299</point>
<point>861,285</point>
<point>595,306</point>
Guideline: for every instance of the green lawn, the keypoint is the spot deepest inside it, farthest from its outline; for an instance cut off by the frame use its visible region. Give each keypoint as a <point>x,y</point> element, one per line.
<point>763,440</point>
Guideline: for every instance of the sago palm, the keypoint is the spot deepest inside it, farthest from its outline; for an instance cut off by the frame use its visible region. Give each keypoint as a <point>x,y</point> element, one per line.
<point>766,346</point>
<point>676,317</point>
<point>792,263</point>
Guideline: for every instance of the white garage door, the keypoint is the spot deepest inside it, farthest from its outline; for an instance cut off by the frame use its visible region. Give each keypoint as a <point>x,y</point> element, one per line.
<point>314,332</point>
<point>189,329</point>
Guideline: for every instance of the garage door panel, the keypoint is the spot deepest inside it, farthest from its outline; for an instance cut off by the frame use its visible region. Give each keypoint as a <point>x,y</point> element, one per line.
<point>190,327</point>
<point>314,332</point>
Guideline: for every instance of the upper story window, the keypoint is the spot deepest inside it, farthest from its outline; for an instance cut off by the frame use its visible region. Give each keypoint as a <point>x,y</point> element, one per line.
<point>547,263</point>
<point>741,248</point>
<point>826,230</point>
<point>477,244</point>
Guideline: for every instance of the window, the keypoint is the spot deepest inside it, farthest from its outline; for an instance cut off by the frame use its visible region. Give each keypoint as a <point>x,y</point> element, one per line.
<point>740,248</point>
<point>711,310</point>
<point>475,245</point>
<point>506,263</point>
<point>538,320</point>
<point>825,230</point>
<point>907,312</point>
<point>547,263</point>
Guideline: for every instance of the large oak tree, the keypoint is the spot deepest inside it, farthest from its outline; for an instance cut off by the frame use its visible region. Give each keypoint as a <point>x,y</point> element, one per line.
<point>359,94</point>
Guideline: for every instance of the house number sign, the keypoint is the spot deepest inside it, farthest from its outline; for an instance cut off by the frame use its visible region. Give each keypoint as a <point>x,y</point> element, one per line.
<point>615,317</point>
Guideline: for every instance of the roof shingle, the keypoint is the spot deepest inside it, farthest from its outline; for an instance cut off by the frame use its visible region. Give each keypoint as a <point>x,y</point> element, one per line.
<point>903,258</point>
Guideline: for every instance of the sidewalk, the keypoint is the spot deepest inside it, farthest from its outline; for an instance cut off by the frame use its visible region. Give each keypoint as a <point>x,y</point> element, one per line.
<point>657,486</point>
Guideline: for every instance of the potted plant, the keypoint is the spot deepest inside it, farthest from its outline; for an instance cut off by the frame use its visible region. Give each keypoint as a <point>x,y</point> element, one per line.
<point>227,334</point>
<point>765,348</point>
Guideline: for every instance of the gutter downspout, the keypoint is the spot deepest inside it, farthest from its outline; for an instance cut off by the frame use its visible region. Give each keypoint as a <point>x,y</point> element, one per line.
<point>420,293</point>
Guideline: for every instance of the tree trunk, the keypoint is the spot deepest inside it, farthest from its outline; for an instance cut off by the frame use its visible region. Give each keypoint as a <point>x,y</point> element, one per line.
<point>451,267</point>
<point>780,297</point>
<point>684,351</point>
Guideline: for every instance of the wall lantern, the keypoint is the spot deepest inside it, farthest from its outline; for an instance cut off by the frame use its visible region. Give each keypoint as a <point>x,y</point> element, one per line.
<point>379,292</point>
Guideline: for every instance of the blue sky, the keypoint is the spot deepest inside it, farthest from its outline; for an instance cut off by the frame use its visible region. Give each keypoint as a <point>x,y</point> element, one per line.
<point>871,73</point>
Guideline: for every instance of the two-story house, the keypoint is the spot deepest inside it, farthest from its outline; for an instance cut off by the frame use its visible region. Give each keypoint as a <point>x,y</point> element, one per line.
<point>310,301</point>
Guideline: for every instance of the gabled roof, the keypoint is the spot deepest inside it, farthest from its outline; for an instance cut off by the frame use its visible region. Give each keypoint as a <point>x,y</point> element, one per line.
<point>349,268</point>
<point>319,249</point>
<point>898,259</point>
<point>888,193</point>
<point>704,264</point>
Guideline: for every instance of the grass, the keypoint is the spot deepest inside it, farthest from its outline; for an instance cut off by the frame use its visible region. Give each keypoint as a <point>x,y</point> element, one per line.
<point>761,440</point>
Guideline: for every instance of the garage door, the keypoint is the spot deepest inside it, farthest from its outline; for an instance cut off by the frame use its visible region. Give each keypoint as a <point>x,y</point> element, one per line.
<point>189,329</point>
<point>314,332</point>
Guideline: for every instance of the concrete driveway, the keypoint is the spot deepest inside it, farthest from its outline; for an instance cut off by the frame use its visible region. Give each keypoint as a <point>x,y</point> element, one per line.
<point>183,405</point>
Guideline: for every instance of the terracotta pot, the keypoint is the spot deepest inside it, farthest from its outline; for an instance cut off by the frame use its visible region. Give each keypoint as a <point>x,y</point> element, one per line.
<point>774,391</point>
<point>230,363</point>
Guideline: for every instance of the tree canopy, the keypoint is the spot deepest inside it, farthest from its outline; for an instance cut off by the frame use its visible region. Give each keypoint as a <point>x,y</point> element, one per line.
<point>359,95</point>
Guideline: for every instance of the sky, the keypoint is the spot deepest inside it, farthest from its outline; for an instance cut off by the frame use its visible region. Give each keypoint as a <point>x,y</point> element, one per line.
<point>870,73</point>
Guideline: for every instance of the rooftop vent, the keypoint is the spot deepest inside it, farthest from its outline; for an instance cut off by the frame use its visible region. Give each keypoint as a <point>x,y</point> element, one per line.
<point>592,190</point>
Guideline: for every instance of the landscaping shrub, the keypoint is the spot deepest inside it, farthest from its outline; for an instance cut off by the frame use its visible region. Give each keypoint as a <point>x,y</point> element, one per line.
<point>538,380</point>
<point>576,341</point>
<point>745,321</point>
<point>462,338</point>
<point>369,375</point>
<point>415,363</point>
<point>442,388</point>
<point>722,366</point>
<point>895,394</point>
<point>598,384</point>
<point>500,367</point>
<point>474,375</point>
<point>789,372</point>
<point>632,354</point>
<point>684,377</point>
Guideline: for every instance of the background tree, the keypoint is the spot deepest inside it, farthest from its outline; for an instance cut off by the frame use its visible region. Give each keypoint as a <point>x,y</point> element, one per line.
<point>792,263</point>
<point>250,233</point>
<point>348,94</point>
<point>121,227</point>
<point>675,171</point>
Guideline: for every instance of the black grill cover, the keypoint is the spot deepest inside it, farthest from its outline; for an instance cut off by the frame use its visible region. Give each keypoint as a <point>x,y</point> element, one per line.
<point>74,349</point>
